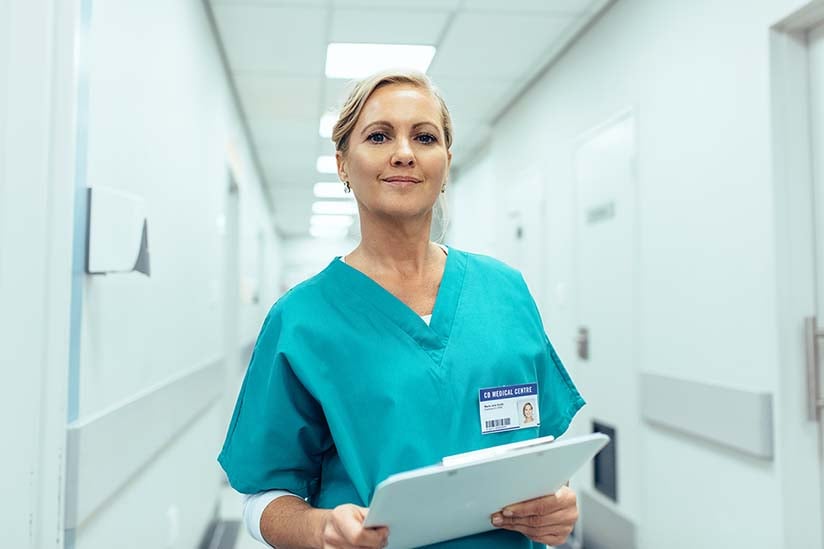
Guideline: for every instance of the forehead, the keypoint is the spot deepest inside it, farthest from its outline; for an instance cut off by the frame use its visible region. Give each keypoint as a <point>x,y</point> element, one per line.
<point>400,103</point>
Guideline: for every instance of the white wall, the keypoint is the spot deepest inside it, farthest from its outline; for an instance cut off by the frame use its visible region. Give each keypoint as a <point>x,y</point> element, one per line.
<point>474,188</point>
<point>163,126</point>
<point>697,75</point>
<point>36,203</point>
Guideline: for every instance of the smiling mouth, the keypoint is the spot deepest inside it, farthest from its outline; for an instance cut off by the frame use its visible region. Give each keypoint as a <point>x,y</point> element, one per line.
<point>401,182</point>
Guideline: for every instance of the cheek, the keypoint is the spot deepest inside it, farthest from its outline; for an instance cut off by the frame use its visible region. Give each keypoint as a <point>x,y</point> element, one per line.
<point>362,161</point>
<point>435,166</point>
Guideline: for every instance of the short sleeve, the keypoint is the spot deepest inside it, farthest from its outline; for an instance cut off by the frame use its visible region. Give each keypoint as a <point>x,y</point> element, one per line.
<point>278,433</point>
<point>559,398</point>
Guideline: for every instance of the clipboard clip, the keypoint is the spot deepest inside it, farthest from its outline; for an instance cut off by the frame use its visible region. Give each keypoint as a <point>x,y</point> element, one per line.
<point>494,451</point>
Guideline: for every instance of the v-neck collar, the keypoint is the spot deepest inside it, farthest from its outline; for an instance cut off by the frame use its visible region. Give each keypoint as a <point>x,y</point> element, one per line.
<point>433,337</point>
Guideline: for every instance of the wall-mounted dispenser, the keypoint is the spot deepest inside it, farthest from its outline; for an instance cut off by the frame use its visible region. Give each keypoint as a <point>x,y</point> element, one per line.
<point>117,233</point>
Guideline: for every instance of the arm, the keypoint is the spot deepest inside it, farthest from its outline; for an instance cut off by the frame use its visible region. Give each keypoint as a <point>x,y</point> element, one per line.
<point>253,506</point>
<point>291,523</point>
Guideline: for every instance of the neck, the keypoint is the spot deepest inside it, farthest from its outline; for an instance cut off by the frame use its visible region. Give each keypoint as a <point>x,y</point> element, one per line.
<point>398,246</point>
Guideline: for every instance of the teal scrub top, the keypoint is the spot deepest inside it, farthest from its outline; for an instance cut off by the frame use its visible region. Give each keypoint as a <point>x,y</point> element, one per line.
<point>347,385</point>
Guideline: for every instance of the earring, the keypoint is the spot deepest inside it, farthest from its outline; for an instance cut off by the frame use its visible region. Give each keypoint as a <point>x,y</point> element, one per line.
<point>443,188</point>
<point>346,187</point>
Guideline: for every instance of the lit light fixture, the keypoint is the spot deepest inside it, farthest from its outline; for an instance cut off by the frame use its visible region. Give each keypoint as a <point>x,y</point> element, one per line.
<point>335,207</point>
<point>345,60</point>
<point>327,124</point>
<point>327,164</point>
<point>319,231</point>
<point>331,221</point>
<point>330,190</point>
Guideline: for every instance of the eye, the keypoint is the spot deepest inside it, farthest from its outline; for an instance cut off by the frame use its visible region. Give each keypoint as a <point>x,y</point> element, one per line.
<point>427,138</point>
<point>377,137</point>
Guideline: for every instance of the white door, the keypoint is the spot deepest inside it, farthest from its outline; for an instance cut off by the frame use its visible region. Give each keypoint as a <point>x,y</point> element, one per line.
<point>605,183</point>
<point>815,45</point>
<point>525,231</point>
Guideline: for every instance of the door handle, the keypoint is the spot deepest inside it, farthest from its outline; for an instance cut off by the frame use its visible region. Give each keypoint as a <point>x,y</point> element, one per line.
<point>582,343</point>
<point>812,336</point>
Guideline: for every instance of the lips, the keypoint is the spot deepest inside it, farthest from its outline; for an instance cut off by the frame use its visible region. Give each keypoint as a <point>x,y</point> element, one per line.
<point>401,179</point>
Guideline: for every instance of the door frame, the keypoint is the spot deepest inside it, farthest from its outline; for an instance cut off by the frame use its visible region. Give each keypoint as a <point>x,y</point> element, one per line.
<point>43,100</point>
<point>798,443</point>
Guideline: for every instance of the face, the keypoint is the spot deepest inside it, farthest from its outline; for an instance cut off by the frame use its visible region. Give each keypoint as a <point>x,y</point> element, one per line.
<point>397,159</point>
<point>528,410</point>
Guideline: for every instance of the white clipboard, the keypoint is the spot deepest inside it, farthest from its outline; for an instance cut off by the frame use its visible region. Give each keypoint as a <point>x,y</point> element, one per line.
<point>457,497</point>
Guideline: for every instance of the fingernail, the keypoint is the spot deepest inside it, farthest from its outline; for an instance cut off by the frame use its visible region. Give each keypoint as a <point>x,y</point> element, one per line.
<point>508,512</point>
<point>497,520</point>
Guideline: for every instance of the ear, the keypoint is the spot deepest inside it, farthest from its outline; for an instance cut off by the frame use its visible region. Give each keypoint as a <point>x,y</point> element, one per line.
<point>341,166</point>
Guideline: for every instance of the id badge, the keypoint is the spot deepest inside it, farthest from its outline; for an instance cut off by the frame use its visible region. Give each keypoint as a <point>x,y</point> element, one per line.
<point>509,407</point>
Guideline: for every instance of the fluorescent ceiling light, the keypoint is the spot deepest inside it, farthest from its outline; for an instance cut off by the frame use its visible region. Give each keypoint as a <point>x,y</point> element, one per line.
<point>359,60</point>
<point>335,207</point>
<point>331,220</point>
<point>319,231</point>
<point>327,164</point>
<point>330,190</point>
<point>327,124</point>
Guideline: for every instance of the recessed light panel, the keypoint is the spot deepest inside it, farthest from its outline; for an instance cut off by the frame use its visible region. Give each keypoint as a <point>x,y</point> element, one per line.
<point>331,220</point>
<point>328,232</point>
<point>345,60</point>
<point>327,124</point>
<point>330,190</point>
<point>335,207</point>
<point>327,164</point>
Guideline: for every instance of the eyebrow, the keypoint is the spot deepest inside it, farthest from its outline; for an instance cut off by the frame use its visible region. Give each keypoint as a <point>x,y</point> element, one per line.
<point>385,123</point>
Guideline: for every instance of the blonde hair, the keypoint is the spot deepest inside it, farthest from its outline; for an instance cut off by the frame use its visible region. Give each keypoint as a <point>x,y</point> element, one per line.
<point>363,89</point>
<point>352,107</point>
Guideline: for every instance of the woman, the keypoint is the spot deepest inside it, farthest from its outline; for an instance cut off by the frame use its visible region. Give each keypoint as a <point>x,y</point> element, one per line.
<point>401,325</point>
<point>527,413</point>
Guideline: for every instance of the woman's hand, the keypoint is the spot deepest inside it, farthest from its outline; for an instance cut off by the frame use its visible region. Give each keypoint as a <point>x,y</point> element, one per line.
<point>548,519</point>
<point>343,529</point>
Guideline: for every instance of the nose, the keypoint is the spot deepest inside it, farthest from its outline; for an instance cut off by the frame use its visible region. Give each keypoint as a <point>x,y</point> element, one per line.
<point>403,156</point>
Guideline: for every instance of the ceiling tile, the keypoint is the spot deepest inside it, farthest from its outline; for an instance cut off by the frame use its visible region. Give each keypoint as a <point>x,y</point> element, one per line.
<point>496,45</point>
<point>380,26</point>
<point>473,99</point>
<point>530,6</point>
<point>299,195</point>
<point>326,147</point>
<point>289,40</point>
<point>289,165</point>
<point>279,98</point>
<point>398,4</point>
<point>279,3</point>
<point>335,92</point>
<point>274,135</point>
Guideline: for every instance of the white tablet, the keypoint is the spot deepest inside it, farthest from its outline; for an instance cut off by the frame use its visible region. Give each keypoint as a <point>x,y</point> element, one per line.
<point>458,497</point>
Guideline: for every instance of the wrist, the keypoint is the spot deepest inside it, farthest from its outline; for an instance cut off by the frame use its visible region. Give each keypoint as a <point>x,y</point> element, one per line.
<point>319,518</point>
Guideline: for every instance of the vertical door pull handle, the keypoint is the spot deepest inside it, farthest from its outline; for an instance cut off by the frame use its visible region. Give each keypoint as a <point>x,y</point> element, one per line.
<point>812,336</point>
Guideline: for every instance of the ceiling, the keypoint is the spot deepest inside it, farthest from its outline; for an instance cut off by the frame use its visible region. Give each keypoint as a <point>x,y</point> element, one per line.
<point>488,51</point>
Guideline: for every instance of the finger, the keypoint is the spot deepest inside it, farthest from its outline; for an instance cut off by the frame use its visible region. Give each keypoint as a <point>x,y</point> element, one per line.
<point>560,518</point>
<point>352,530</point>
<point>539,506</point>
<point>543,505</point>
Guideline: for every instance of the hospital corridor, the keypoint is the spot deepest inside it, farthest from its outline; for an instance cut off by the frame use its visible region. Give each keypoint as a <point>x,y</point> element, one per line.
<point>391,273</point>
